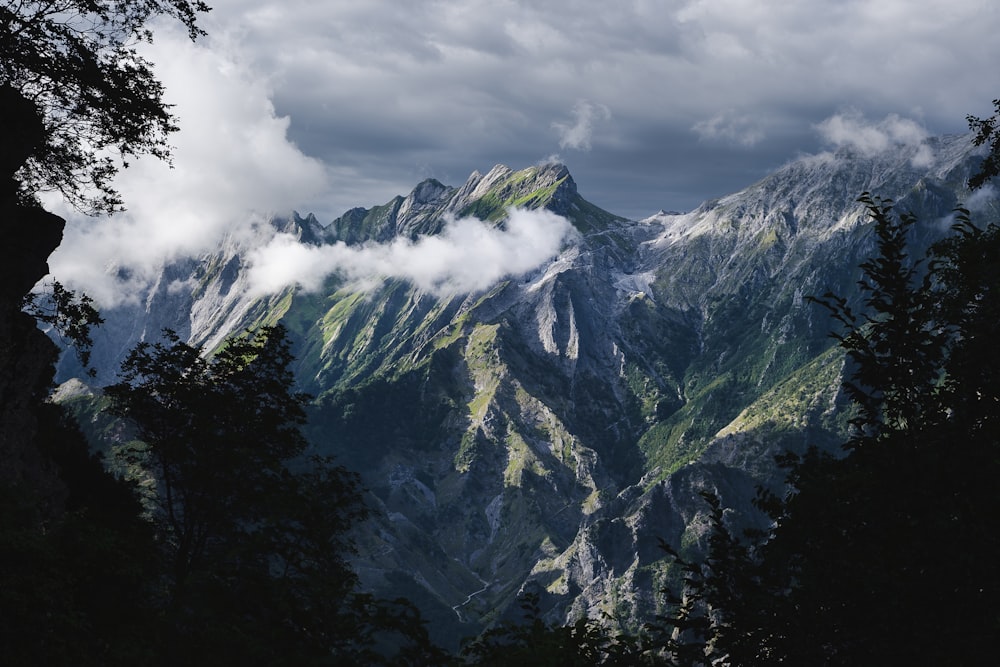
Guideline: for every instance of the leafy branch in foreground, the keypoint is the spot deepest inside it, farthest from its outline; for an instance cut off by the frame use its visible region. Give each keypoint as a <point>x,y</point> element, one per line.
<point>77,62</point>
<point>987,133</point>
<point>71,317</point>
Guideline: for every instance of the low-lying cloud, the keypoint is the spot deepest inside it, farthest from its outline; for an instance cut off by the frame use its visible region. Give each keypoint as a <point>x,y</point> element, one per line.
<point>233,165</point>
<point>853,130</point>
<point>467,256</point>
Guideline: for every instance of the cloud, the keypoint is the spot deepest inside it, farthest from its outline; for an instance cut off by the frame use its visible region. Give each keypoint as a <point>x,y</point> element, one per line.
<point>982,199</point>
<point>577,135</point>
<point>381,90</point>
<point>382,93</point>
<point>730,127</point>
<point>233,166</point>
<point>851,129</point>
<point>469,255</point>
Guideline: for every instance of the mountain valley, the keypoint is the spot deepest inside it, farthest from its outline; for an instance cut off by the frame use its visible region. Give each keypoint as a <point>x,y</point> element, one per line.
<point>545,433</point>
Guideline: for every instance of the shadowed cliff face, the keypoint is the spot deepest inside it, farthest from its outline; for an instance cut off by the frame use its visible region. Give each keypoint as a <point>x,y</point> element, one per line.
<point>30,234</point>
<point>27,356</point>
<point>544,433</point>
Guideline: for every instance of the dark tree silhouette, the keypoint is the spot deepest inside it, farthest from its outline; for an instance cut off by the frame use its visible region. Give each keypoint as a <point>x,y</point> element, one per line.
<point>987,134</point>
<point>74,92</point>
<point>532,642</point>
<point>254,534</point>
<point>76,63</point>
<point>885,555</point>
<point>897,345</point>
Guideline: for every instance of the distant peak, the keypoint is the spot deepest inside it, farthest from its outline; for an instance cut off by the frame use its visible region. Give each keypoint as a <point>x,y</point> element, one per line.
<point>307,229</point>
<point>498,171</point>
<point>557,169</point>
<point>308,219</point>
<point>540,176</point>
<point>428,191</point>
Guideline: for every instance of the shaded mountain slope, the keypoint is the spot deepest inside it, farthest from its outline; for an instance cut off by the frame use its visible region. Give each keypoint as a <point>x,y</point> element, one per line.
<point>545,432</point>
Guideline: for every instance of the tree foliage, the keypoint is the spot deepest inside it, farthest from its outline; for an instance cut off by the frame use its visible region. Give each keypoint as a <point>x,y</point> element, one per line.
<point>72,317</point>
<point>715,617</point>
<point>911,525</point>
<point>78,63</point>
<point>987,134</point>
<point>254,534</point>
<point>532,641</point>
<point>885,555</point>
<point>897,344</point>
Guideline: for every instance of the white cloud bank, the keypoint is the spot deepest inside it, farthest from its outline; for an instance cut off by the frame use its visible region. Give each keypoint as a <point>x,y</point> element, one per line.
<point>853,130</point>
<point>467,256</point>
<point>233,164</point>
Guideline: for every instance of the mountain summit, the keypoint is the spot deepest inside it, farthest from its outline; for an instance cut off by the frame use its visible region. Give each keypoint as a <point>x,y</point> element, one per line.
<point>488,197</point>
<point>543,434</point>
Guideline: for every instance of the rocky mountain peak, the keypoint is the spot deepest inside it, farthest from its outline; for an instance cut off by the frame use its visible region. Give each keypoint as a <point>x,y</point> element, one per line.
<point>420,211</point>
<point>428,191</point>
<point>547,431</point>
<point>489,197</point>
<point>307,229</point>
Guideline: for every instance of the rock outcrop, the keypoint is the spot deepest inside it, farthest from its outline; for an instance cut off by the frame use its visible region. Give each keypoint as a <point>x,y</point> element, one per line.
<point>27,356</point>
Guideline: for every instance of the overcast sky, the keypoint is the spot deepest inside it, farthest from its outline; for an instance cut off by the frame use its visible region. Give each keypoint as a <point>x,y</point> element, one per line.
<point>323,106</point>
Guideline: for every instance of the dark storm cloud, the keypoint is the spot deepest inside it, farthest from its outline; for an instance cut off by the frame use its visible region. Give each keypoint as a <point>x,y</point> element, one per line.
<point>448,87</point>
<point>651,103</point>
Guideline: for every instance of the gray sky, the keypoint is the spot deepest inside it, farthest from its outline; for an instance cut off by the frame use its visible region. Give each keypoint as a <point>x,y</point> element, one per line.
<point>323,106</point>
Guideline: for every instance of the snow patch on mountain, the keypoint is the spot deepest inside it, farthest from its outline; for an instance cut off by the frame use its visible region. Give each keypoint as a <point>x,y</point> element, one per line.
<point>633,284</point>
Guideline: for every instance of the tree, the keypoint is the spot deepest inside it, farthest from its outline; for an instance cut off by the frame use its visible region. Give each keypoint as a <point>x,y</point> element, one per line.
<point>255,535</point>
<point>713,621</point>
<point>898,344</point>
<point>909,513</point>
<point>74,553</point>
<point>987,133</point>
<point>535,642</point>
<point>74,92</point>
<point>968,267</point>
<point>76,63</point>
<point>885,555</point>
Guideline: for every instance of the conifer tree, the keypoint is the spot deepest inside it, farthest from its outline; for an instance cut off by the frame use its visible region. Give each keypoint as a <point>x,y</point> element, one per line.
<point>885,555</point>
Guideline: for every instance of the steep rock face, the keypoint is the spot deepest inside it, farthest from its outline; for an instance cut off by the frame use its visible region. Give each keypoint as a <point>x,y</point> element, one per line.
<point>762,377</point>
<point>546,432</point>
<point>417,213</point>
<point>27,356</point>
<point>487,197</point>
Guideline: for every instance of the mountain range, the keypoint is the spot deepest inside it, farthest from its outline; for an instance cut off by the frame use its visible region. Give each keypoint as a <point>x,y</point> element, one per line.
<point>546,432</point>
